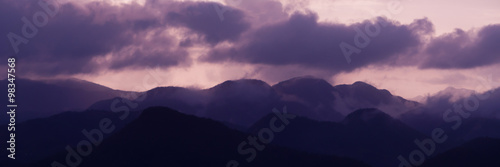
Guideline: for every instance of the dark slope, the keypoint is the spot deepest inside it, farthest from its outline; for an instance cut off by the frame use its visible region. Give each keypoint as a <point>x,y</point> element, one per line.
<point>366,92</point>
<point>481,152</point>
<point>240,102</point>
<point>44,98</point>
<point>309,97</point>
<point>362,95</point>
<point>164,137</point>
<point>39,138</point>
<point>367,134</point>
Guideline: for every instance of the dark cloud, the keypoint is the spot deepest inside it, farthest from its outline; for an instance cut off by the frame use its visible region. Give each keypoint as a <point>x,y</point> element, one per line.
<point>203,18</point>
<point>260,12</point>
<point>87,37</point>
<point>93,36</point>
<point>462,49</point>
<point>302,40</point>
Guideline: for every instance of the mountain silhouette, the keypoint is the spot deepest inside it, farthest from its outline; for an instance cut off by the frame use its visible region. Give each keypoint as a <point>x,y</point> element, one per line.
<point>240,102</point>
<point>243,102</point>
<point>310,97</point>
<point>165,137</point>
<point>356,121</point>
<point>38,99</point>
<point>361,95</point>
<point>369,135</point>
<point>39,138</point>
<point>482,152</point>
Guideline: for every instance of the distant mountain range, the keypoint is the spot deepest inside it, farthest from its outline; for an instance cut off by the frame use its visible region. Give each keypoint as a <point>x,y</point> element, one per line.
<point>37,99</point>
<point>243,102</point>
<point>311,97</point>
<point>366,125</point>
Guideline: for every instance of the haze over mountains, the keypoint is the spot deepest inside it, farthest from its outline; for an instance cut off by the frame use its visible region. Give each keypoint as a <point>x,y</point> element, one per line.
<point>410,47</point>
<point>365,125</point>
<point>44,98</point>
<point>243,102</point>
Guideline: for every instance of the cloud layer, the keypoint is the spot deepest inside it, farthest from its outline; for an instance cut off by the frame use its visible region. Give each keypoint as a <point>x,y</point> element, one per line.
<point>302,40</point>
<point>462,49</point>
<point>83,38</point>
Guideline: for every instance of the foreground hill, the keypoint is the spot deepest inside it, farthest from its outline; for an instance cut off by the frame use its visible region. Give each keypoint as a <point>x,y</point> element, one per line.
<point>369,135</point>
<point>482,152</point>
<point>164,137</point>
<point>39,138</point>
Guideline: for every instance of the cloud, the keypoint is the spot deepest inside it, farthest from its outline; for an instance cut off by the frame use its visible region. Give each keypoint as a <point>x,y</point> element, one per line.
<point>87,37</point>
<point>202,18</point>
<point>260,12</point>
<point>302,40</point>
<point>462,50</point>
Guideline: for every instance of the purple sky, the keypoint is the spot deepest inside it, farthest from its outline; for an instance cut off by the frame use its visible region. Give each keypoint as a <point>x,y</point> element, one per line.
<point>420,47</point>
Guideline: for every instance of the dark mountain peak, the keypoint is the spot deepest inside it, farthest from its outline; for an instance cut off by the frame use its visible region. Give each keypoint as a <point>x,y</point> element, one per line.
<point>38,96</point>
<point>310,89</point>
<point>367,92</point>
<point>158,112</point>
<point>21,79</point>
<point>168,88</point>
<point>368,115</point>
<point>311,97</point>
<point>363,86</point>
<point>165,91</point>
<point>77,84</point>
<point>167,118</point>
<point>249,89</point>
<point>303,82</point>
<point>361,83</point>
<point>242,82</point>
<point>240,87</point>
